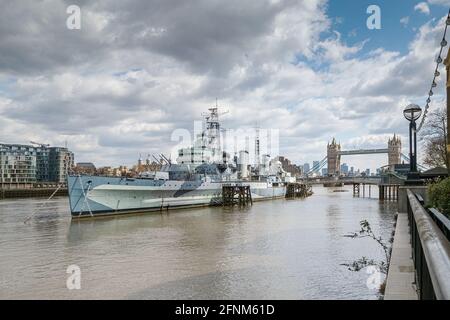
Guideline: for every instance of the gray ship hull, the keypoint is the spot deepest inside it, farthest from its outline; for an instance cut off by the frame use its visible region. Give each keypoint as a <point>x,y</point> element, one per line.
<point>95,195</point>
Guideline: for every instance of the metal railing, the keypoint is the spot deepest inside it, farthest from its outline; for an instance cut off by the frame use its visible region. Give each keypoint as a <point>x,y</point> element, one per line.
<point>431,252</point>
<point>441,221</point>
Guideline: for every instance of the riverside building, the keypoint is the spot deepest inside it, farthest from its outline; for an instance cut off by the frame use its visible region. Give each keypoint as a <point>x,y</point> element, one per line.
<point>21,166</point>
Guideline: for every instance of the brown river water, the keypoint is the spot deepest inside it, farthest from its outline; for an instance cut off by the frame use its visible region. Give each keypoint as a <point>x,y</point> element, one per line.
<point>280,249</point>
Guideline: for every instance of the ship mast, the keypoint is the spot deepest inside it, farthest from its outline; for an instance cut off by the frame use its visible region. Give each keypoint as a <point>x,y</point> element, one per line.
<point>257,150</point>
<point>213,127</point>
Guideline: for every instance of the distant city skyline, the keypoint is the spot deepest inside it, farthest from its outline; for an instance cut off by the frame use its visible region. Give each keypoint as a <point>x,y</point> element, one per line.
<point>132,75</point>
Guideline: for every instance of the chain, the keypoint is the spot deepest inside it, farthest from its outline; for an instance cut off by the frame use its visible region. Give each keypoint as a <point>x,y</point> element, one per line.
<point>436,73</point>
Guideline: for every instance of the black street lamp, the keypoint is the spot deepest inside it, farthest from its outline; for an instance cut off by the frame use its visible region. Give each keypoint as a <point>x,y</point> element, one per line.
<point>412,113</point>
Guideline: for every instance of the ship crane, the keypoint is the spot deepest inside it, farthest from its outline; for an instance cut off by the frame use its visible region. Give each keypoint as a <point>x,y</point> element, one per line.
<point>42,145</point>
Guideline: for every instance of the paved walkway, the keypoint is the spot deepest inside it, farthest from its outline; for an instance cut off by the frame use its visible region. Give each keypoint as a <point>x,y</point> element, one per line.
<point>399,285</point>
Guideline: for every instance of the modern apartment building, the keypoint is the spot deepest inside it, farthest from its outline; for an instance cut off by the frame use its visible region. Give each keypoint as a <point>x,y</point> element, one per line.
<point>61,160</point>
<point>17,164</point>
<point>28,164</point>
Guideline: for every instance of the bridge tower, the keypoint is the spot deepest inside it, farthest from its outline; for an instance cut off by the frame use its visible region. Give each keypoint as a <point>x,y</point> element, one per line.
<point>334,158</point>
<point>394,152</point>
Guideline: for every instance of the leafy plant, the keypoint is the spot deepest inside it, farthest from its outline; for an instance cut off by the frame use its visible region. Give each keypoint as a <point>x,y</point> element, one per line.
<point>439,196</point>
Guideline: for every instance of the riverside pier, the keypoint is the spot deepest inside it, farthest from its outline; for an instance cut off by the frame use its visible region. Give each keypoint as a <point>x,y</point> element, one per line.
<point>236,195</point>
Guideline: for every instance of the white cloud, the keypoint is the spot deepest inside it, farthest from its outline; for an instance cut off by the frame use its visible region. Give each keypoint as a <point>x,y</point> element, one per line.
<point>404,21</point>
<point>422,7</point>
<point>117,88</point>
<point>439,2</point>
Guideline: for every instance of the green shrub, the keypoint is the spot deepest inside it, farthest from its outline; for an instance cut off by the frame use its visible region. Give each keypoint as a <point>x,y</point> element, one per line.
<point>439,196</point>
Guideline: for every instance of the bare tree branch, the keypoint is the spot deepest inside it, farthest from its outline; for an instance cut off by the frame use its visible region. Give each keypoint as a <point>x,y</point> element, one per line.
<point>434,136</point>
<point>366,232</point>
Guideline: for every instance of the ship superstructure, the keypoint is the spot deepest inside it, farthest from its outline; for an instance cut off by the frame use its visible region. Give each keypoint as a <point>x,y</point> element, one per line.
<point>196,179</point>
<point>207,145</point>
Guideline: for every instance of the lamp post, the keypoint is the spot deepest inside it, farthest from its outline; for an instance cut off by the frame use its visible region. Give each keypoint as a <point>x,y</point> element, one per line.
<point>412,113</point>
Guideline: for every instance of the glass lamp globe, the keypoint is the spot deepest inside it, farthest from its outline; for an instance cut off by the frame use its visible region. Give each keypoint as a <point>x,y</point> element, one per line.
<point>412,112</point>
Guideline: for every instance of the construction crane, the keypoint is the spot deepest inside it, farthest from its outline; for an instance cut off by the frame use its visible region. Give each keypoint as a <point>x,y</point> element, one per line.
<point>42,145</point>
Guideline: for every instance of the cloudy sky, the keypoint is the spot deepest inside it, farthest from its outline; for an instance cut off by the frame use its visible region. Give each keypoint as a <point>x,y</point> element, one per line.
<point>138,70</point>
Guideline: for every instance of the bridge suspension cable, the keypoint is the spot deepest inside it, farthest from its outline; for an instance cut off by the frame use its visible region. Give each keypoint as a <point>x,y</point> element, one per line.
<point>405,157</point>
<point>436,73</point>
<point>318,166</point>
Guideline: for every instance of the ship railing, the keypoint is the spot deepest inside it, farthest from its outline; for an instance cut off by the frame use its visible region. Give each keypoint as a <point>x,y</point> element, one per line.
<point>236,184</point>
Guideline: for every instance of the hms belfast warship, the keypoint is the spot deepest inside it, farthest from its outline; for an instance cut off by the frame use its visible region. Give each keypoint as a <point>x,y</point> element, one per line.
<point>197,179</point>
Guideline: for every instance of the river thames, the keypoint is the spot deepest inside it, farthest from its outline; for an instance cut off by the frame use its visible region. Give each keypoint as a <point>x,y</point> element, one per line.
<point>280,249</point>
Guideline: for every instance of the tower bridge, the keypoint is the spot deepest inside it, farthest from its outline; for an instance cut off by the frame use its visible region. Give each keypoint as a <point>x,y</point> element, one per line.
<point>335,152</point>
